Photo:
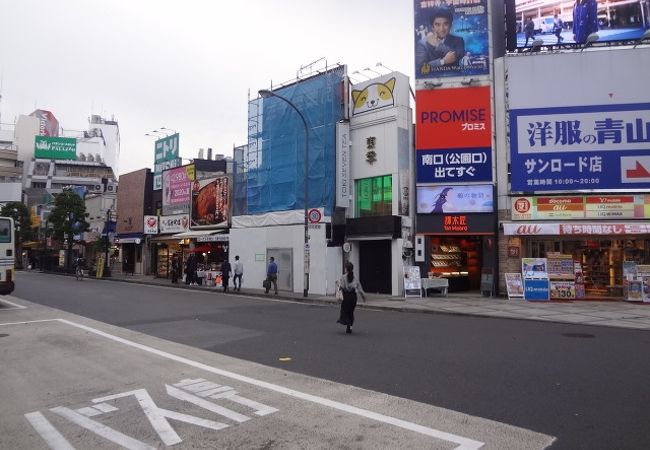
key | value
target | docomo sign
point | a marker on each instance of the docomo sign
(574, 229)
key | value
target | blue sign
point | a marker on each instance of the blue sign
(580, 148)
(536, 290)
(454, 166)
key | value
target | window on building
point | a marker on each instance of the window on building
(374, 196)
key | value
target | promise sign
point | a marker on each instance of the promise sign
(49, 147)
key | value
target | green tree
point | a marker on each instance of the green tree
(22, 220)
(68, 217)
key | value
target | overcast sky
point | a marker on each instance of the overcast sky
(187, 65)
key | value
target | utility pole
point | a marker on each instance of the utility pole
(106, 227)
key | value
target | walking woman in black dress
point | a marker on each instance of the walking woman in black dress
(349, 286)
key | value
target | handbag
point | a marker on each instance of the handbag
(266, 284)
(339, 295)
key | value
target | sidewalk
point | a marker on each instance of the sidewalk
(610, 314)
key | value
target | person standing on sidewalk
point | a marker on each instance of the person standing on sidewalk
(350, 287)
(239, 273)
(175, 267)
(226, 268)
(272, 276)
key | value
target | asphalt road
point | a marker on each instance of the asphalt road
(587, 386)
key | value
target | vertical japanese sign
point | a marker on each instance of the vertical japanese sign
(454, 135)
(165, 157)
(451, 38)
(580, 148)
(343, 165)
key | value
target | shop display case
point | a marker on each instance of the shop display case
(163, 263)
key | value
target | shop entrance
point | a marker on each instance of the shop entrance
(458, 259)
(600, 260)
(374, 266)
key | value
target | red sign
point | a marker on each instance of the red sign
(314, 215)
(513, 251)
(455, 223)
(453, 118)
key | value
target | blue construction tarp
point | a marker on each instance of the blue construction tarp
(273, 169)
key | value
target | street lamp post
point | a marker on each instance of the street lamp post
(264, 93)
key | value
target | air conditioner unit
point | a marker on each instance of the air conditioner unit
(110, 188)
(98, 188)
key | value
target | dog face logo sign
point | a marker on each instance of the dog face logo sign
(373, 97)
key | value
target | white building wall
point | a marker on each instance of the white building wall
(251, 245)
(26, 128)
(111, 152)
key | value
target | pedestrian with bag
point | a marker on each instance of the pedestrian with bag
(271, 276)
(175, 267)
(350, 287)
(239, 273)
(225, 274)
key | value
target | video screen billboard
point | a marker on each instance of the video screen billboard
(455, 199)
(562, 22)
(210, 203)
(451, 38)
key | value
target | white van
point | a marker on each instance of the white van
(544, 24)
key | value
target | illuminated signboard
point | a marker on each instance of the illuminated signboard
(455, 199)
(454, 135)
(582, 207)
(580, 148)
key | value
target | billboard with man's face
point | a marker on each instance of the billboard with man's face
(451, 38)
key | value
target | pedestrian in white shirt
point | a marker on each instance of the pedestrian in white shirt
(239, 273)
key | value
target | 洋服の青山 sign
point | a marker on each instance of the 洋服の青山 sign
(580, 148)
(48, 147)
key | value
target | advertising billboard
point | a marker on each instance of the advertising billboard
(177, 223)
(451, 38)
(580, 148)
(47, 147)
(627, 206)
(454, 135)
(48, 124)
(380, 93)
(455, 199)
(210, 203)
(555, 22)
(177, 186)
(165, 157)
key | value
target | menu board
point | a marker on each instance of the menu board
(514, 285)
(412, 282)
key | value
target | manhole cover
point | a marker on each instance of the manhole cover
(3, 335)
(578, 335)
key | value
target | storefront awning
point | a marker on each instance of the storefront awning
(164, 237)
(203, 235)
(575, 228)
